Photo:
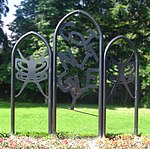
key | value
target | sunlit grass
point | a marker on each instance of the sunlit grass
(31, 119)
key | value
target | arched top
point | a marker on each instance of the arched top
(19, 41)
(127, 40)
(73, 13)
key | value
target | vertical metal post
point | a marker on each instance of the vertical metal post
(104, 94)
(136, 95)
(12, 93)
(50, 86)
(100, 94)
(50, 101)
(54, 83)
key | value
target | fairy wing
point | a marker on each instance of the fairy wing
(22, 70)
(41, 68)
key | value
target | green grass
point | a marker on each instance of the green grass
(31, 119)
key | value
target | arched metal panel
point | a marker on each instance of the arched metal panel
(121, 78)
(31, 73)
(73, 62)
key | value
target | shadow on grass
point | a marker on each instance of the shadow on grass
(4, 135)
(33, 134)
(86, 113)
(22, 105)
(64, 135)
(60, 135)
(112, 135)
(65, 105)
(88, 106)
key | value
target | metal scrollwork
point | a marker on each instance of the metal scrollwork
(31, 71)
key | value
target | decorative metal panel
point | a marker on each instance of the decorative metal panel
(122, 69)
(120, 72)
(77, 51)
(71, 82)
(77, 48)
(30, 69)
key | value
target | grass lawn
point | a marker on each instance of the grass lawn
(31, 119)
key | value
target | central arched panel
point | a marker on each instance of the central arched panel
(77, 59)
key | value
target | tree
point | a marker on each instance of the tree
(4, 48)
(3, 37)
(3, 11)
(38, 15)
(115, 17)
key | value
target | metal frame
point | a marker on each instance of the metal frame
(100, 127)
(52, 78)
(136, 96)
(14, 66)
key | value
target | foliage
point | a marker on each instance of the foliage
(4, 50)
(145, 79)
(128, 17)
(38, 15)
(3, 11)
